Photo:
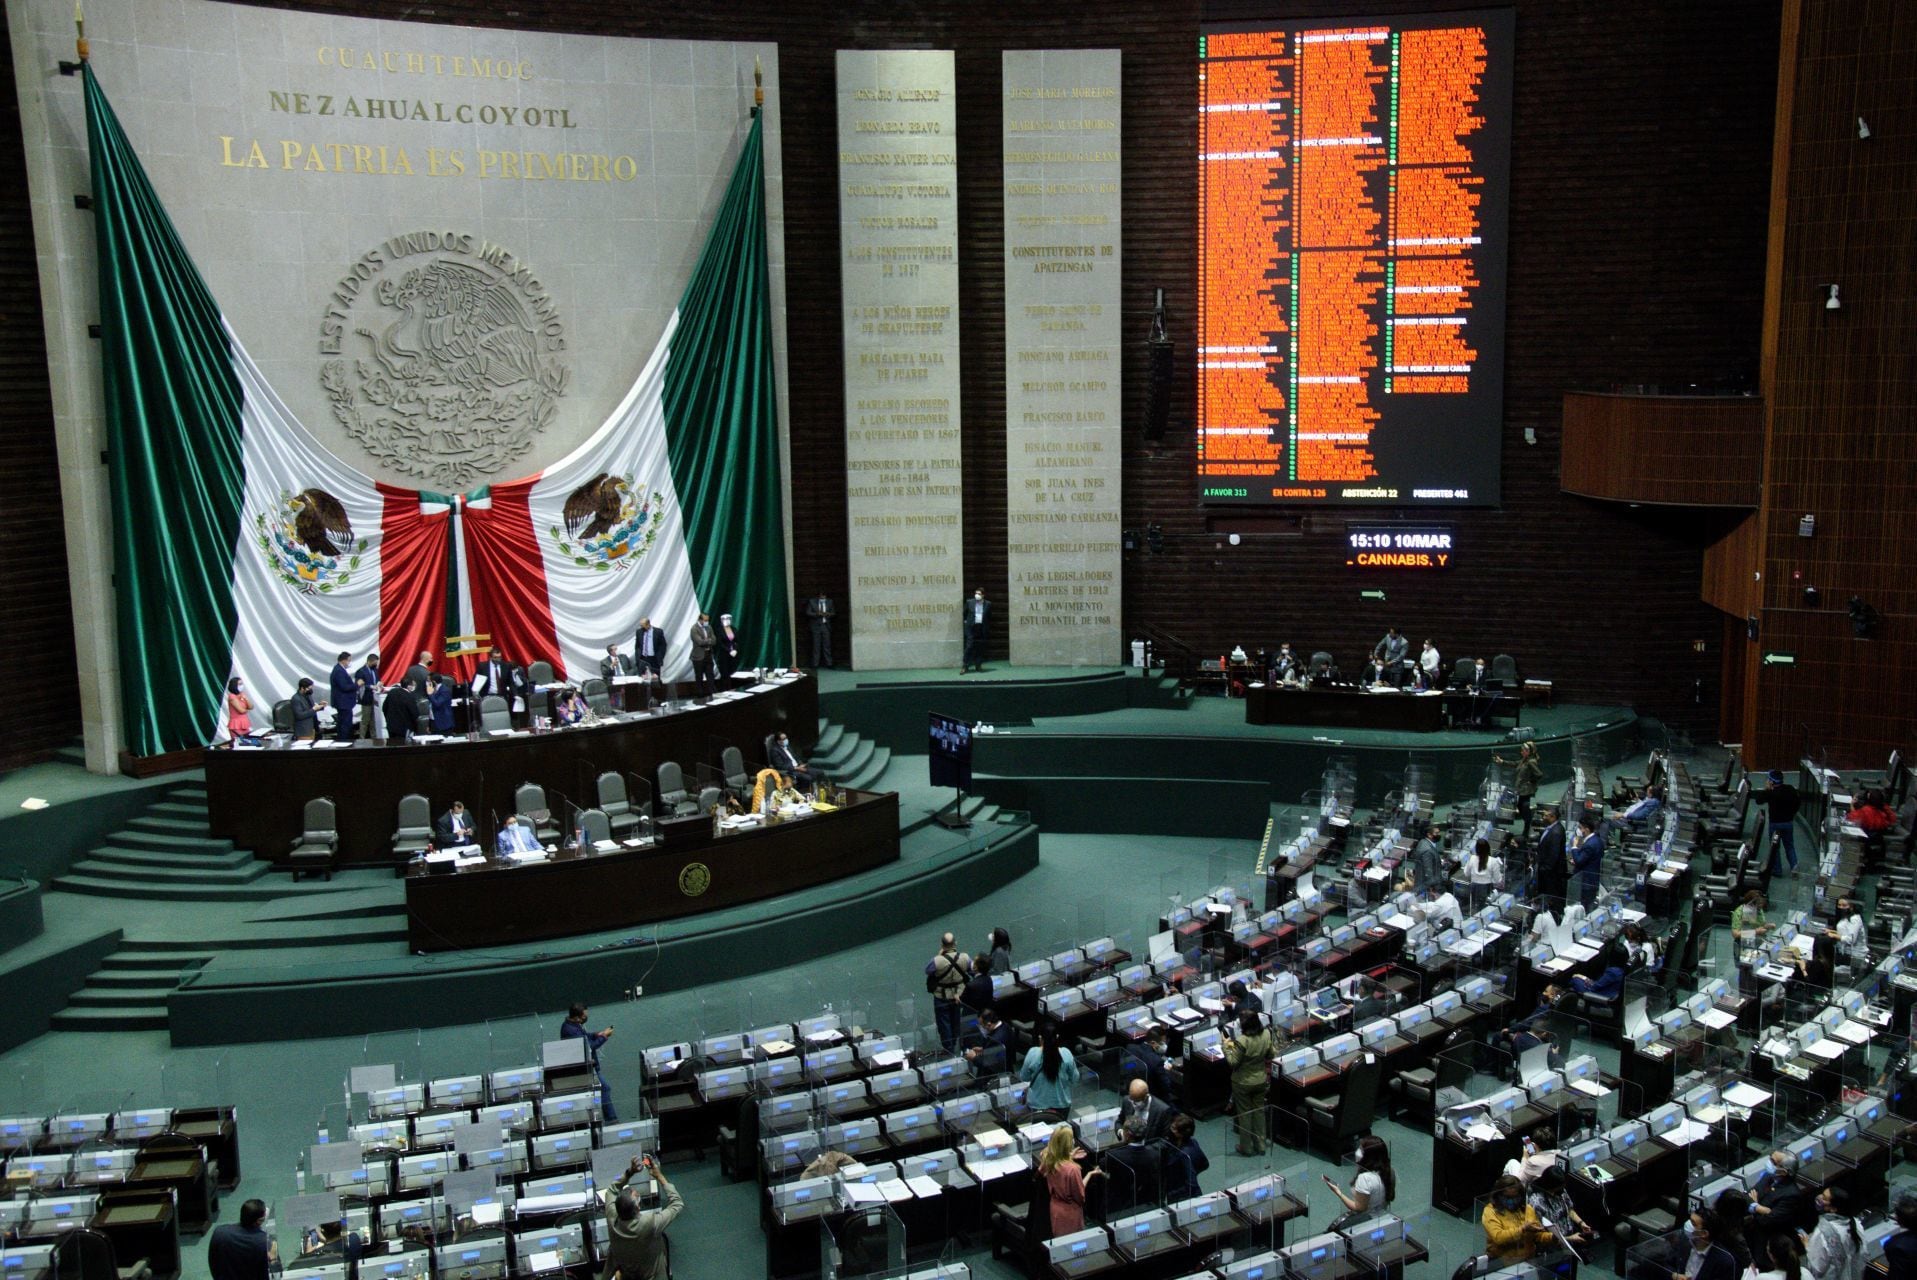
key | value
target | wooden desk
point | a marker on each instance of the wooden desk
(256, 798)
(1345, 709)
(571, 894)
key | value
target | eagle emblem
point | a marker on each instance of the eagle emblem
(459, 374)
(608, 523)
(308, 541)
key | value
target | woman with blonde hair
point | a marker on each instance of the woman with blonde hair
(1064, 1184)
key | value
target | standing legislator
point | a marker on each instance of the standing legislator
(1390, 653)
(345, 698)
(703, 640)
(974, 618)
(818, 612)
(649, 649)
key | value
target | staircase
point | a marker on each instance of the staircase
(166, 854)
(228, 901)
(847, 759)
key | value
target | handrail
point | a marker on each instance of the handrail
(1181, 659)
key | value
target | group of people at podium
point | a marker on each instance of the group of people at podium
(361, 702)
(1390, 663)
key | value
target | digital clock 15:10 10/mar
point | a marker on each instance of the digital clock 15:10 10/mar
(1398, 546)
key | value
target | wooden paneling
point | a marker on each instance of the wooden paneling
(1639, 171)
(1731, 568)
(1842, 436)
(36, 644)
(1687, 451)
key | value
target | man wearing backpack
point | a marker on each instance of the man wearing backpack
(945, 975)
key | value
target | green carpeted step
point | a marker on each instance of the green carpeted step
(167, 877)
(92, 997)
(136, 979)
(142, 1018)
(169, 826)
(102, 887)
(246, 937)
(229, 860)
(851, 755)
(830, 736)
(187, 791)
(180, 808)
(168, 842)
(138, 959)
(867, 775)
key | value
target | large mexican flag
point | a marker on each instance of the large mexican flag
(244, 548)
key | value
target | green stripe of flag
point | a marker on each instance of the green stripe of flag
(173, 448)
(722, 420)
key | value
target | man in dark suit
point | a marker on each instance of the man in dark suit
(819, 615)
(402, 712)
(455, 826)
(1782, 1203)
(703, 640)
(421, 671)
(345, 698)
(496, 678)
(1146, 1061)
(974, 617)
(1553, 876)
(367, 680)
(1155, 1112)
(306, 711)
(1708, 1259)
(990, 1047)
(1588, 861)
(1900, 1251)
(786, 761)
(1134, 1171)
(649, 649)
(614, 664)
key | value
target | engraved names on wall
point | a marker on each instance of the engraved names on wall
(1062, 402)
(898, 215)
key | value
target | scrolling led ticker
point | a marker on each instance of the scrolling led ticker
(1416, 547)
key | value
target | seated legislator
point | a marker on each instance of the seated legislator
(455, 826)
(1376, 672)
(784, 760)
(573, 709)
(1286, 667)
(614, 664)
(771, 789)
(516, 837)
(402, 711)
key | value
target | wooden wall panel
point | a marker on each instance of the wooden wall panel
(1688, 451)
(1842, 439)
(1639, 172)
(36, 643)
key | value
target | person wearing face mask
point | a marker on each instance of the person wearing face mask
(1778, 1257)
(1707, 1259)
(1835, 1250)
(239, 712)
(727, 652)
(974, 617)
(1848, 933)
(1782, 1204)
(1513, 1231)
(1285, 667)
(789, 764)
(1430, 666)
(1373, 1190)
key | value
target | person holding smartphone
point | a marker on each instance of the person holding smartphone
(635, 1237)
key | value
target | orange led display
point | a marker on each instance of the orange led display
(1351, 197)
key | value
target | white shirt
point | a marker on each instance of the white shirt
(1443, 907)
(1850, 936)
(1491, 873)
(1429, 660)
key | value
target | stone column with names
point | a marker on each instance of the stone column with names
(898, 240)
(1062, 387)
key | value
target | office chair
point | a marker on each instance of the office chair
(616, 803)
(598, 697)
(530, 798)
(672, 791)
(495, 713)
(319, 840)
(540, 673)
(732, 764)
(415, 829)
(1504, 669)
(86, 1254)
(283, 716)
(1336, 1120)
(594, 826)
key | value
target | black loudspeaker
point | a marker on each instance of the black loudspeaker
(1158, 389)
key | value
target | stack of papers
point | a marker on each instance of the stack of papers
(773, 1048)
(1591, 1088)
(529, 855)
(1828, 1050)
(889, 1058)
(1746, 1095)
(606, 846)
(1853, 1031)
(1716, 1019)
(924, 1188)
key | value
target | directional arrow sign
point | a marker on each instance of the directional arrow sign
(1778, 658)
